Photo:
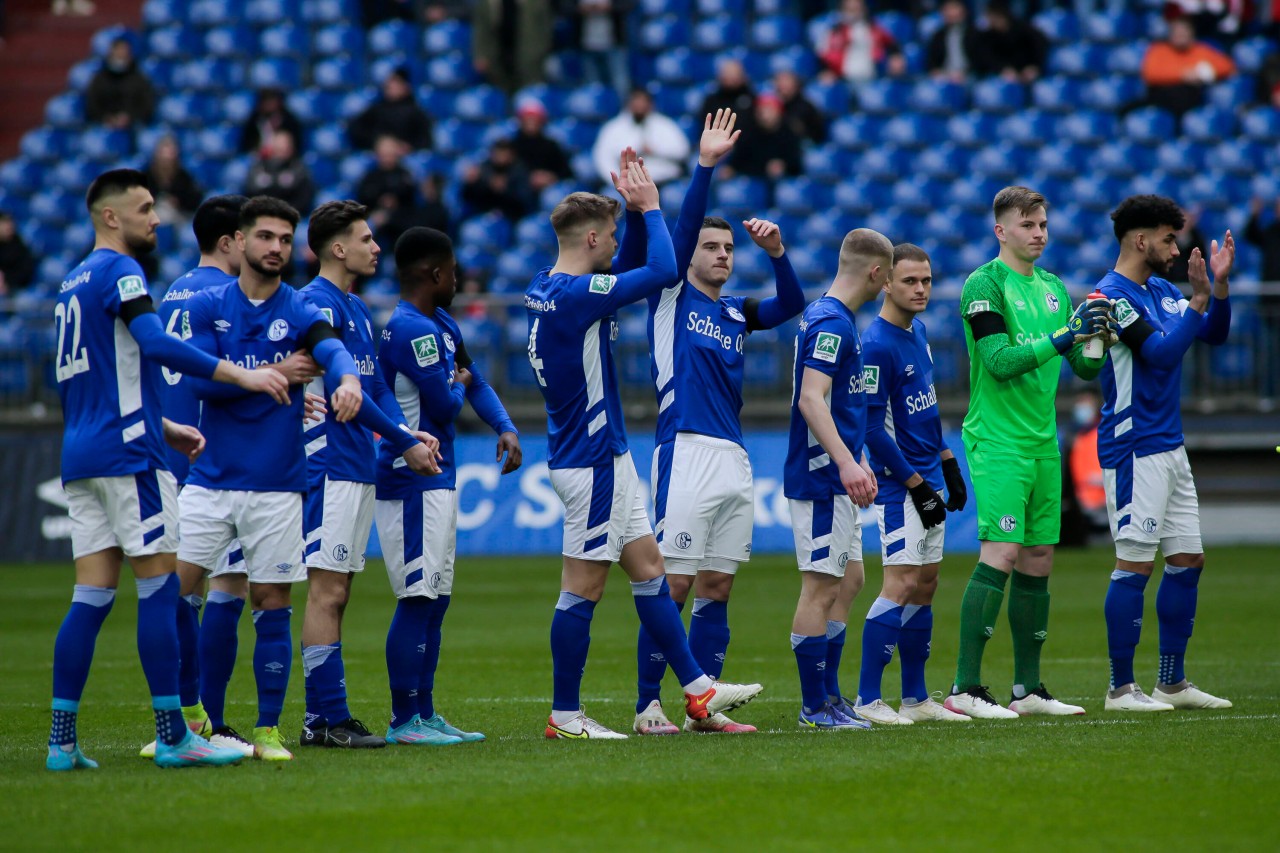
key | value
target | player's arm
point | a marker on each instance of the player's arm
(631, 246)
(982, 301)
(789, 301)
(341, 376)
(226, 381)
(814, 387)
(183, 438)
(881, 385)
(717, 140)
(957, 491)
(484, 400)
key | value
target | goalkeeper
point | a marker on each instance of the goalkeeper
(1018, 320)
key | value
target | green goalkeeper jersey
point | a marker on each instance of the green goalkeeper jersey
(1016, 414)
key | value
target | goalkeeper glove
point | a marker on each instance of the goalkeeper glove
(1089, 318)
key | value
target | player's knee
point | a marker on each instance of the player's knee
(714, 585)
(270, 596)
(680, 586)
(1185, 561)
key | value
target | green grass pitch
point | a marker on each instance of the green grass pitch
(1186, 781)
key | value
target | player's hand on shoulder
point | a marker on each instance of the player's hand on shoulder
(183, 438)
(462, 376)
(858, 483)
(509, 443)
(718, 137)
(765, 234)
(346, 400)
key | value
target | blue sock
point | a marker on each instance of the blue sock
(324, 676)
(661, 618)
(570, 640)
(406, 642)
(272, 658)
(651, 665)
(72, 655)
(158, 633)
(709, 634)
(879, 638)
(170, 727)
(219, 641)
(811, 660)
(1123, 611)
(913, 650)
(836, 634)
(1176, 610)
(188, 649)
(431, 657)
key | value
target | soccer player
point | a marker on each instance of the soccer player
(250, 481)
(1151, 495)
(701, 475)
(572, 323)
(911, 463)
(1018, 321)
(120, 495)
(425, 360)
(341, 466)
(826, 473)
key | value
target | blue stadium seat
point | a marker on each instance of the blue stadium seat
(1056, 94)
(218, 142)
(51, 208)
(994, 95)
(1127, 60)
(173, 42)
(1233, 92)
(592, 102)
(943, 222)
(72, 175)
(828, 163)
(1069, 223)
(709, 8)
(810, 262)
(973, 192)
(1249, 53)
(277, 72)
(230, 42)
(747, 195)
(481, 103)
(1061, 26)
(664, 33)
(573, 134)
(336, 73)
(81, 74)
(1086, 126)
(235, 172)
(437, 102)
(917, 194)
(651, 8)
(1111, 28)
(285, 40)
(549, 96)
(973, 129)
(324, 170)
(445, 37)
(535, 231)
(882, 97)
(323, 11)
(476, 261)
(338, 40)
(159, 13)
(181, 109)
(828, 227)
(214, 13)
(1212, 190)
(683, 66)
(456, 137)
(208, 75)
(450, 71)
(1209, 124)
(394, 36)
(520, 263)
(104, 145)
(1155, 182)
(1149, 126)
(855, 132)
(945, 161)
(1078, 60)
(801, 196)
(832, 98)
(797, 58)
(21, 175)
(1098, 192)
(1063, 159)
(775, 32)
(1266, 186)
(1004, 160)
(101, 41)
(939, 97)
(900, 26)
(892, 223)
(267, 12)
(1238, 157)
(1261, 125)
(911, 130)
(236, 106)
(719, 33)
(884, 161)
(65, 111)
(1029, 127)
(353, 167)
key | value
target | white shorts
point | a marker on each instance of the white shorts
(268, 525)
(703, 486)
(603, 509)
(137, 513)
(419, 542)
(337, 516)
(828, 534)
(1151, 500)
(903, 539)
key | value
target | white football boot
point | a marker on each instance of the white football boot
(1129, 697)
(1187, 697)
(977, 703)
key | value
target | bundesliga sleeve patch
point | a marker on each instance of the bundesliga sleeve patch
(826, 347)
(602, 284)
(186, 325)
(978, 306)
(871, 379)
(1124, 313)
(131, 287)
(328, 315)
(426, 351)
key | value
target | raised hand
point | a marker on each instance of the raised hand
(1222, 260)
(766, 235)
(621, 177)
(718, 137)
(644, 192)
(1198, 276)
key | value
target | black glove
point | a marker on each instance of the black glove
(957, 491)
(928, 504)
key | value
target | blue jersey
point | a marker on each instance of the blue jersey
(572, 326)
(346, 451)
(827, 341)
(897, 375)
(179, 403)
(254, 443)
(110, 393)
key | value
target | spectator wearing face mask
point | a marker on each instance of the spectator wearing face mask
(120, 95)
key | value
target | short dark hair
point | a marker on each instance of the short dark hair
(332, 219)
(1146, 211)
(420, 244)
(265, 205)
(114, 182)
(217, 217)
(580, 209)
(1021, 199)
(910, 252)
(716, 222)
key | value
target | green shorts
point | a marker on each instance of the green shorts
(1019, 498)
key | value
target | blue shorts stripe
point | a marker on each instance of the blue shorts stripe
(1123, 522)
(820, 554)
(824, 512)
(666, 452)
(1124, 483)
(152, 535)
(601, 495)
(413, 577)
(412, 520)
(150, 503)
(313, 548)
(597, 542)
(235, 556)
(894, 547)
(313, 507)
(895, 517)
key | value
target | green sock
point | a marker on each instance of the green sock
(978, 612)
(1028, 625)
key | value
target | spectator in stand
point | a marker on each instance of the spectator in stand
(395, 113)
(269, 115)
(435, 11)
(1265, 237)
(75, 8)
(120, 95)
(176, 193)
(279, 172)
(600, 32)
(17, 264)
(433, 213)
(775, 150)
(852, 46)
(657, 139)
(510, 41)
(733, 91)
(1178, 70)
(1188, 238)
(805, 120)
(1218, 19)
(501, 183)
(955, 50)
(1268, 85)
(1085, 472)
(1012, 47)
(389, 191)
(376, 11)
(540, 154)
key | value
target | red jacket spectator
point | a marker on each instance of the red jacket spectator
(852, 46)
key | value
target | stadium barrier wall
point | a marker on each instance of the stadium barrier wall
(516, 514)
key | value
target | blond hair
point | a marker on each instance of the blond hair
(580, 210)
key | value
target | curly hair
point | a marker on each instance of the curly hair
(1146, 211)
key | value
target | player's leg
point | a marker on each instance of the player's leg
(901, 534)
(1135, 560)
(917, 635)
(651, 663)
(191, 589)
(1176, 599)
